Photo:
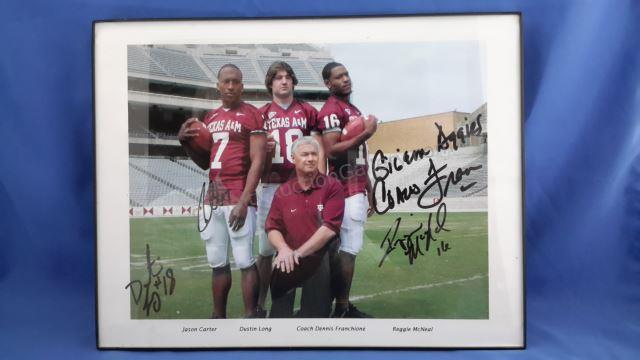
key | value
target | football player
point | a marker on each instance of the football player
(348, 163)
(235, 164)
(286, 119)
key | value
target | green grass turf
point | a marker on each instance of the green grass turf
(453, 285)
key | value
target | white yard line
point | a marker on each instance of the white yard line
(186, 268)
(164, 261)
(418, 287)
(209, 270)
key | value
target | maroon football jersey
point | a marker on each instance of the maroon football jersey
(286, 126)
(351, 166)
(230, 162)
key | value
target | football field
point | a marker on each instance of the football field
(452, 285)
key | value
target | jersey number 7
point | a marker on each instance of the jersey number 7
(223, 137)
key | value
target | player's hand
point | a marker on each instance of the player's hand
(370, 125)
(187, 133)
(286, 260)
(237, 217)
(271, 144)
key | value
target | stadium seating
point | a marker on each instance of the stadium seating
(140, 131)
(317, 66)
(163, 182)
(179, 64)
(304, 75)
(183, 64)
(249, 73)
(139, 61)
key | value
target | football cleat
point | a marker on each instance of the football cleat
(350, 312)
(260, 313)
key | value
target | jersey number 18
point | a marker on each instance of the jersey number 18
(290, 136)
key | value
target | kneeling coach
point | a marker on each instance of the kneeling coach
(303, 226)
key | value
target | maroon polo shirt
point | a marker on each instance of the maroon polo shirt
(298, 213)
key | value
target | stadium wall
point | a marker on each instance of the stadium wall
(163, 211)
(421, 132)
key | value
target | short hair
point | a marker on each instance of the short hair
(326, 70)
(273, 71)
(305, 140)
(229, 65)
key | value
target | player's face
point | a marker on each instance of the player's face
(230, 85)
(282, 84)
(339, 82)
(305, 159)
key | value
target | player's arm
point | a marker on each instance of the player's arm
(312, 115)
(185, 135)
(333, 146)
(270, 151)
(257, 142)
(322, 158)
(286, 258)
(369, 189)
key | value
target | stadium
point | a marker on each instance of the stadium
(169, 83)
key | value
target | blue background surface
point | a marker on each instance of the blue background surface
(582, 133)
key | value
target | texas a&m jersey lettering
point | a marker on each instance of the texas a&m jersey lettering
(230, 160)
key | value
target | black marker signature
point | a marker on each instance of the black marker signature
(158, 283)
(411, 242)
(383, 168)
(215, 196)
(475, 128)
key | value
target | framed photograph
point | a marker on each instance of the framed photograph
(310, 182)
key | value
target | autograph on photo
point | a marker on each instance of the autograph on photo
(410, 242)
(159, 282)
(420, 240)
(211, 196)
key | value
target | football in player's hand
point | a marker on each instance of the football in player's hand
(354, 127)
(202, 142)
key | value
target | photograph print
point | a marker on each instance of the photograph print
(412, 239)
(304, 186)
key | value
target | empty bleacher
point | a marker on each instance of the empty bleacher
(139, 131)
(179, 64)
(249, 73)
(304, 75)
(164, 182)
(139, 61)
(190, 64)
(318, 65)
